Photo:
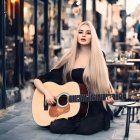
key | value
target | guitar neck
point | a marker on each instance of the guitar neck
(95, 97)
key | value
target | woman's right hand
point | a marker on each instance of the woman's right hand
(50, 99)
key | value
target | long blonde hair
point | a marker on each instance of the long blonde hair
(95, 74)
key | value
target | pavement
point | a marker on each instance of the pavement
(18, 124)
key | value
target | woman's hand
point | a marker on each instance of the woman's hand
(109, 100)
(50, 99)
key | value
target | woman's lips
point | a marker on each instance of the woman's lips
(83, 40)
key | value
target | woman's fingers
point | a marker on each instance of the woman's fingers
(111, 91)
(51, 100)
(109, 100)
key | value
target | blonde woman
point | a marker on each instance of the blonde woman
(85, 64)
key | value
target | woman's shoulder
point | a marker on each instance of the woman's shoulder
(57, 69)
(52, 75)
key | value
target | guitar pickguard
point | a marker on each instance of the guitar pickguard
(56, 111)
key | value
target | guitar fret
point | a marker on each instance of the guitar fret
(101, 97)
(82, 99)
(114, 96)
(92, 97)
(104, 96)
(78, 98)
(75, 98)
(71, 98)
(96, 97)
(87, 97)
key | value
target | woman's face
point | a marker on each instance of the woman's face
(84, 35)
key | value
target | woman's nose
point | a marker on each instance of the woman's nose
(84, 34)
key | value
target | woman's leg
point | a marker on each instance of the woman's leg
(62, 126)
(90, 125)
(86, 126)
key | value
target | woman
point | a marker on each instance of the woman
(85, 64)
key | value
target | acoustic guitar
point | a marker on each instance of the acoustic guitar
(72, 99)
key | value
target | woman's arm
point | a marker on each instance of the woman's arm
(112, 91)
(40, 86)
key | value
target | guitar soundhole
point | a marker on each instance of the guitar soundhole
(63, 100)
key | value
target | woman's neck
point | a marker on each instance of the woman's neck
(85, 49)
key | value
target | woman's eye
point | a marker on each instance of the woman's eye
(80, 32)
(88, 33)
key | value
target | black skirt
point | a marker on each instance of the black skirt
(97, 119)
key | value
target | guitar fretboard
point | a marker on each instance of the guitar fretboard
(95, 97)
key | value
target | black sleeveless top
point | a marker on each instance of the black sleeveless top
(56, 75)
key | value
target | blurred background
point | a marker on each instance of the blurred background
(34, 34)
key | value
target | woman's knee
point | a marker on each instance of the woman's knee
(55, 126)
(61, 126)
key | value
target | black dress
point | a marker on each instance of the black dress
(97, 119)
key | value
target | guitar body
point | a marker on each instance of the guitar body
(44, 116)
(72, 99)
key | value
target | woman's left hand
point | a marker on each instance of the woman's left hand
(109, 100)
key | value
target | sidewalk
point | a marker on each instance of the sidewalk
(19, 125)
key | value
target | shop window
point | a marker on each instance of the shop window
(10, 50)
(40, 37)
(29, 31)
